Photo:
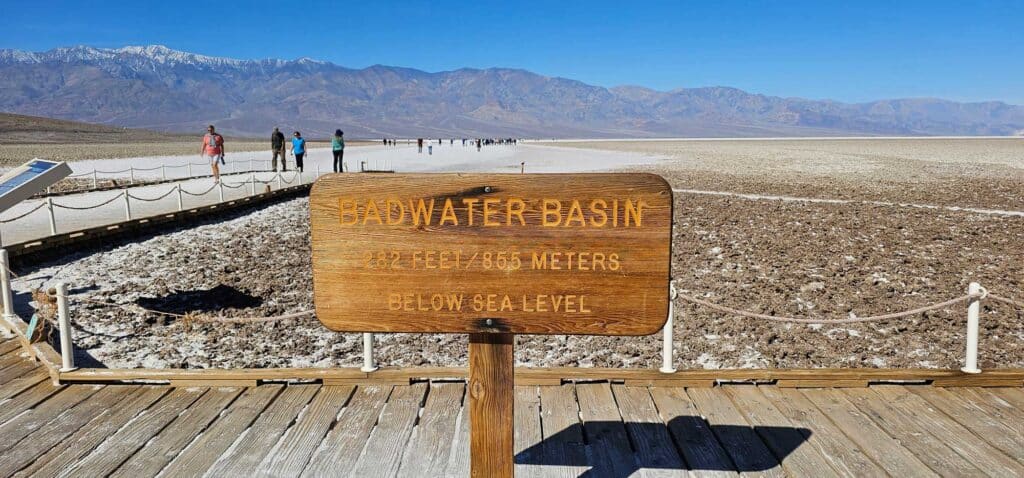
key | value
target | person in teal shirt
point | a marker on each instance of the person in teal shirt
(298, 149)
(338, 148)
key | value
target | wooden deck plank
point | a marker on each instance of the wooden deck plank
(19, 427)
(564, 452)
(700, 448)
(168, 443)
(120, 446)
(788, 443)
(930, 449)
(27, 399)
(994, 428)
(740, 441)
(528, 433)
(458, 461)
(22, 367)
(952, 433)
(292, 453)
(9, 345)
(430, 445)
(655, 452)
(607, 441)
(869, 437)
(1009, 399)
(215, 440)
(382, 454)
(244, 456)
(341, 447)
(54, 461)
(67, 423)
(842, 453)
(12, 357)
(22, 383)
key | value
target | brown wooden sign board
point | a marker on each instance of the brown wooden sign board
(496, 253)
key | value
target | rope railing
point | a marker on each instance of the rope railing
(168, 193)
(30, 211)
(212, 187)
(84, 208)
(850, 320)
(200, 318)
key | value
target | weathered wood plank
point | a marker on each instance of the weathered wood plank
(869, 437)
(67, 423)
(564, 450)
(22, 367)
(700, 448)
(120, 446)
(458, 461)
(292, 453)
(19, 384)
(995, 428)
(952, 433)
(205, 450)
(92, 434)
(607, 441)
(382, 454)
(528, 431)
(788, 443)
(929, 449)
(9, 345)
(652, 444)
(244, 457)
(741, 442)
(21, 426)
(28, 398)
(490, 399)
(168, 443)
(842, 453)
(430, 445)
(1012, 396)
(341, 448)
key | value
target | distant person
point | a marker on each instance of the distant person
(451, 141)
(419, 145)
(478, 144)
(338, 148)
(277, 146)
(385, 145)
(430, 149)
(212, 151)
(298, 149)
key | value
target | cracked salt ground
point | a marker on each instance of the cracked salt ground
(766, 261)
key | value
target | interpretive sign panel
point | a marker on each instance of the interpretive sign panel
(580, 254)
(22, 182)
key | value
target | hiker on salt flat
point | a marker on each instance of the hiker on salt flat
(277, 146)
(298, 149)
(213, 151)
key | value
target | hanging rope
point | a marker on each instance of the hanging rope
(15, 218)
(104, 203)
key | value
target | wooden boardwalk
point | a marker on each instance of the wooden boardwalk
(595, 429)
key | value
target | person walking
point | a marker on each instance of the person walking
(277, 146)
(212, 151)
(419, 145)
(338, 148)
(298, 149)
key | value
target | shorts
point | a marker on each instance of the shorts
(212, 159)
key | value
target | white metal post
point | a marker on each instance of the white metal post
(131, 175)
(95, 179)
(67, 355)
(973, 311)
(220, 191)
(5, 284)
(251, 167)
(317, 170)
(188, 169)
(127, 206)
(53, 218)
(667, 364)
(252, 184)
(280, 184)
(368, 363)
(181, 206)
(163, 171)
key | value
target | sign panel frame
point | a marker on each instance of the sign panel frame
(581, 254)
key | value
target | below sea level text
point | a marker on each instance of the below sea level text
(561, 303)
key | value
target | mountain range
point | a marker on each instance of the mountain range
(158, 88)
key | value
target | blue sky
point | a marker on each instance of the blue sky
(849, 51)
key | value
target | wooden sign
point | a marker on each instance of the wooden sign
(470, 253)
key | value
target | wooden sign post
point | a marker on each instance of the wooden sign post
(492, 255)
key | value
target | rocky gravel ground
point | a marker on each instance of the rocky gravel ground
(781, 258)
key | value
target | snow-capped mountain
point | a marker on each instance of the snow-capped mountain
(160, 88)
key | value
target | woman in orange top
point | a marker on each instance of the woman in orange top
(213, 151)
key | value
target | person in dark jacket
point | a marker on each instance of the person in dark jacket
(338, 148)
(277, 148)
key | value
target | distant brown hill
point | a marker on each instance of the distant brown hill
(22, 129)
